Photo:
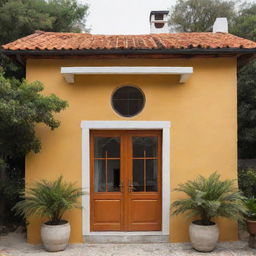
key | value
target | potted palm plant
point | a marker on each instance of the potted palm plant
(208, 198)
(251, 220)
(51, 199)
(251, 215)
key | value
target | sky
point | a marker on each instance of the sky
(124, 16)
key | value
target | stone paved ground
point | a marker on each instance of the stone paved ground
(15, 245)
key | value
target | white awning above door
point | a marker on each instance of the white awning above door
(70, 72)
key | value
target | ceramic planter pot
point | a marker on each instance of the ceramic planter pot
(251, 226)
(55, 237)
(203, 238)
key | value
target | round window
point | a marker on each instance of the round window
(128, 101)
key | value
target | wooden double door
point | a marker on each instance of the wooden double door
(125, 192)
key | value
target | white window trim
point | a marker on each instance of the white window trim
(126, 125)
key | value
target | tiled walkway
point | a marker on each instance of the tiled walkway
(15, 245)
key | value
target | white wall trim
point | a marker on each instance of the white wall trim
(69, 72)
(126, 125)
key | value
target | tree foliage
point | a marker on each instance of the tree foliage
(19, 18)
(199, 15)
(208, 198)
(244, 22)
(22, 106)
(50, 199)
(244, 26)
(247, 111)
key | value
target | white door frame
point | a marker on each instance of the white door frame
(126, 125)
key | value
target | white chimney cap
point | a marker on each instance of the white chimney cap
(220, 25)
(159, 22)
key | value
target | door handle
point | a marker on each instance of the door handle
(121, 186)
(130, 187)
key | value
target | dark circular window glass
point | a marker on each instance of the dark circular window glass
(128, 101)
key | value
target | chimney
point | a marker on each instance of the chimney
(159, 22)
(220, 25)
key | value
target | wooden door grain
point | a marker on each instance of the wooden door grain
(125, 180)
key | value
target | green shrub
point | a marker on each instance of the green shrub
(247, 182)
(208, 198)
(11, 185)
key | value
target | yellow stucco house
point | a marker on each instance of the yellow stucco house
(146, 112)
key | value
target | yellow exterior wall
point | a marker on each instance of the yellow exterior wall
(202, 112)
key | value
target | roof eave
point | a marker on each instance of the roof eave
(131, 51)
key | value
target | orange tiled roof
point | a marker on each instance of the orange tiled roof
(41, 40)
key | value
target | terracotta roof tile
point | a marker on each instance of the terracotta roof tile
(41, 40)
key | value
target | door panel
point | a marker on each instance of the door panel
(106, 195)
(107, 214)
(125, 180)
(144, 161)
(144, 211)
